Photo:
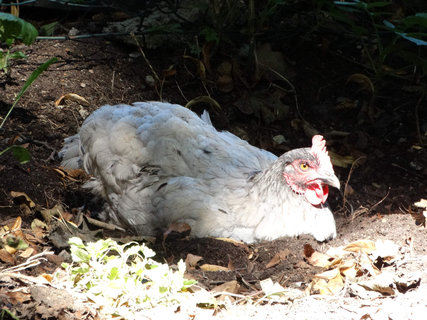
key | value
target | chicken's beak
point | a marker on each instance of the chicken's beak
(330, 179)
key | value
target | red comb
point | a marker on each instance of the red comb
(319, 150)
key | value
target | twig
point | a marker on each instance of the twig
(112, 81)
(30, 262)
(294, 91)
(156, 76)
(348, 180)
(417, 120)
(180, 91)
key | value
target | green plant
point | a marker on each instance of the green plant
(6, 56)
(391, 33)
(11, 29)
(124, 279)
(20, 153)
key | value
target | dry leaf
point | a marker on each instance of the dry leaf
(6, 257)
(56, 211)
(339, 160)
(179, 227)
(16, 297)
(24, 201)
(366, 246)
(213, 267)
(328, 275)
(382, 283)
(278, 257)
(319, 259)
(271, 288)
(308, 250)
(27, 253)
(386, 249)
(48, 277)
(348, 269)
(72, 174)
(17, 224)
(191, 261)
(328, 282)
(72, 97)
(229, 286)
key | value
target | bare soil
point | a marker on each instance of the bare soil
(389, 178)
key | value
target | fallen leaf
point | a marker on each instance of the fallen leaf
(339, 160)
(16, 297)
(6, 257)
(191, 261)
(328, 275)
(48, 277)
(278, 257)
(271, 288)
(382, 283)
(229, 286)
(72, 174)
(72, 97)
(27, 253)
(364, 82)
(386, 249)
(308, 250)
(17, 224)
(213, 267)
(349, 269)
(56, 211)
(319, 259)
(366, 246)
(24, 201)
(328, 283)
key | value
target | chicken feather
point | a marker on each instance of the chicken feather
(157, 163)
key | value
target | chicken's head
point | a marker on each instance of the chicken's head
(309, 171)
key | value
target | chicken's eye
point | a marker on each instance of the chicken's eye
(304, 166)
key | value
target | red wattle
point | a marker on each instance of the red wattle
(316, 193)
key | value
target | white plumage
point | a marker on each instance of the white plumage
(157, 163)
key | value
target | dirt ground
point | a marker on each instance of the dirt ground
(384, 185)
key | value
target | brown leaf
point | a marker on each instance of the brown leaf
(72, 174)
(230, 286)
(24, 201)
(308, 250)
(213, 267)
(179, 227)
(27, 253)
(366, 246)
(6, 257)
(191, 261)
(17, 224)
(364, 82)
(16, 297)
(278, 257)
(328, 282)
(319, 259)
(72, 97)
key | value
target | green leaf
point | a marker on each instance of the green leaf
(12, 27)
(18, 55)
(6, 314)
(20, 153)
(29, 81)
(79, 255)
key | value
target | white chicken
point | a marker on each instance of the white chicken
(158, 163)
